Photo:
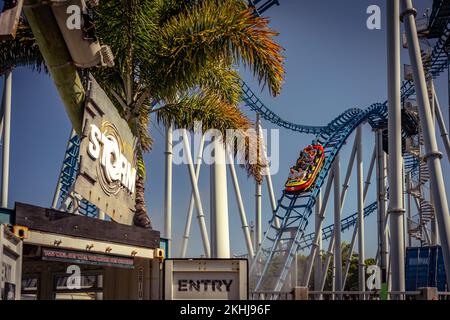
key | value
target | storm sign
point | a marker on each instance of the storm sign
(107, 173)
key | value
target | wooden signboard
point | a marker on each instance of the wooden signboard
(9, 21)
(107, 173)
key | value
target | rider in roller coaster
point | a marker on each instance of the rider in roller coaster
(304, 161)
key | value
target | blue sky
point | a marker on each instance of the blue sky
(333, 62)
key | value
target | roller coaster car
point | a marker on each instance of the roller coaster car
(306, 181)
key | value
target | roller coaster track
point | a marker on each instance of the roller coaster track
(346, 223)
(281, 242)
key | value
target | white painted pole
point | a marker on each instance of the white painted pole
(268, 175)
(219, 211)
(318, 235)
(432, 156)
(337, 228)
(243, 216)
(187, 228)
(168, 191)
(7, 92)
(258, 191)
(318, 260)
(396, 209)
(409, 207)
(442, 128)
(355, 230)
(381, 204)
(360, 196)
(198, 203)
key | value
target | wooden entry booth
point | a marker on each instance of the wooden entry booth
(67, 256)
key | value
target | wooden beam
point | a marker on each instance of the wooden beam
(62, 223)
(9, 21)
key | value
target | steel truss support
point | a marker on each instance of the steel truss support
(355, 230)
(187, 228)
(197, 199)
(315, 251)
(329, 252)
(381, 204)
(57, 192)
(337, 228)
(432, 156)
(243, 216)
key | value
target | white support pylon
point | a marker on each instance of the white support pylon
(220, 236)
(432, 156)
(441, 124)
(168, 191)
(187, 227)
(243, 216)
(360, 177)
(318, 259)
(258, 190)
(7, 94)
(337, 228)
(396, 210)
(198, 202)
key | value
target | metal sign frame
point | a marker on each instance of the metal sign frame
(237, 269)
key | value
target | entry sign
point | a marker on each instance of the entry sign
(107, 173)
(205, 279)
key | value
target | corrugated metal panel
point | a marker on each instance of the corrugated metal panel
(425, 268)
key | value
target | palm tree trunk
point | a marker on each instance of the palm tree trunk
(141, 218)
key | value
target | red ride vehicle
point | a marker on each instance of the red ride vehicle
(303, 175)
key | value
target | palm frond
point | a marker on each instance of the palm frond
(214, 30)
(23, 51)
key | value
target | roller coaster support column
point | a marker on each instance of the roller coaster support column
(441, 124)
(355, 231)
(381, 204)
(220, 236)
(318, 232)
(7, 91)
(258, 187)
(243, 216)
(59, 184)
(360, 177)
(433, 156)
(408, 207)
(315, 246)
(187, 228)
(337, 229)
(396, 209)
(198, 202)
(330, 250)
(273, 202)
(168, 191)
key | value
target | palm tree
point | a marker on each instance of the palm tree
(178, 59)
